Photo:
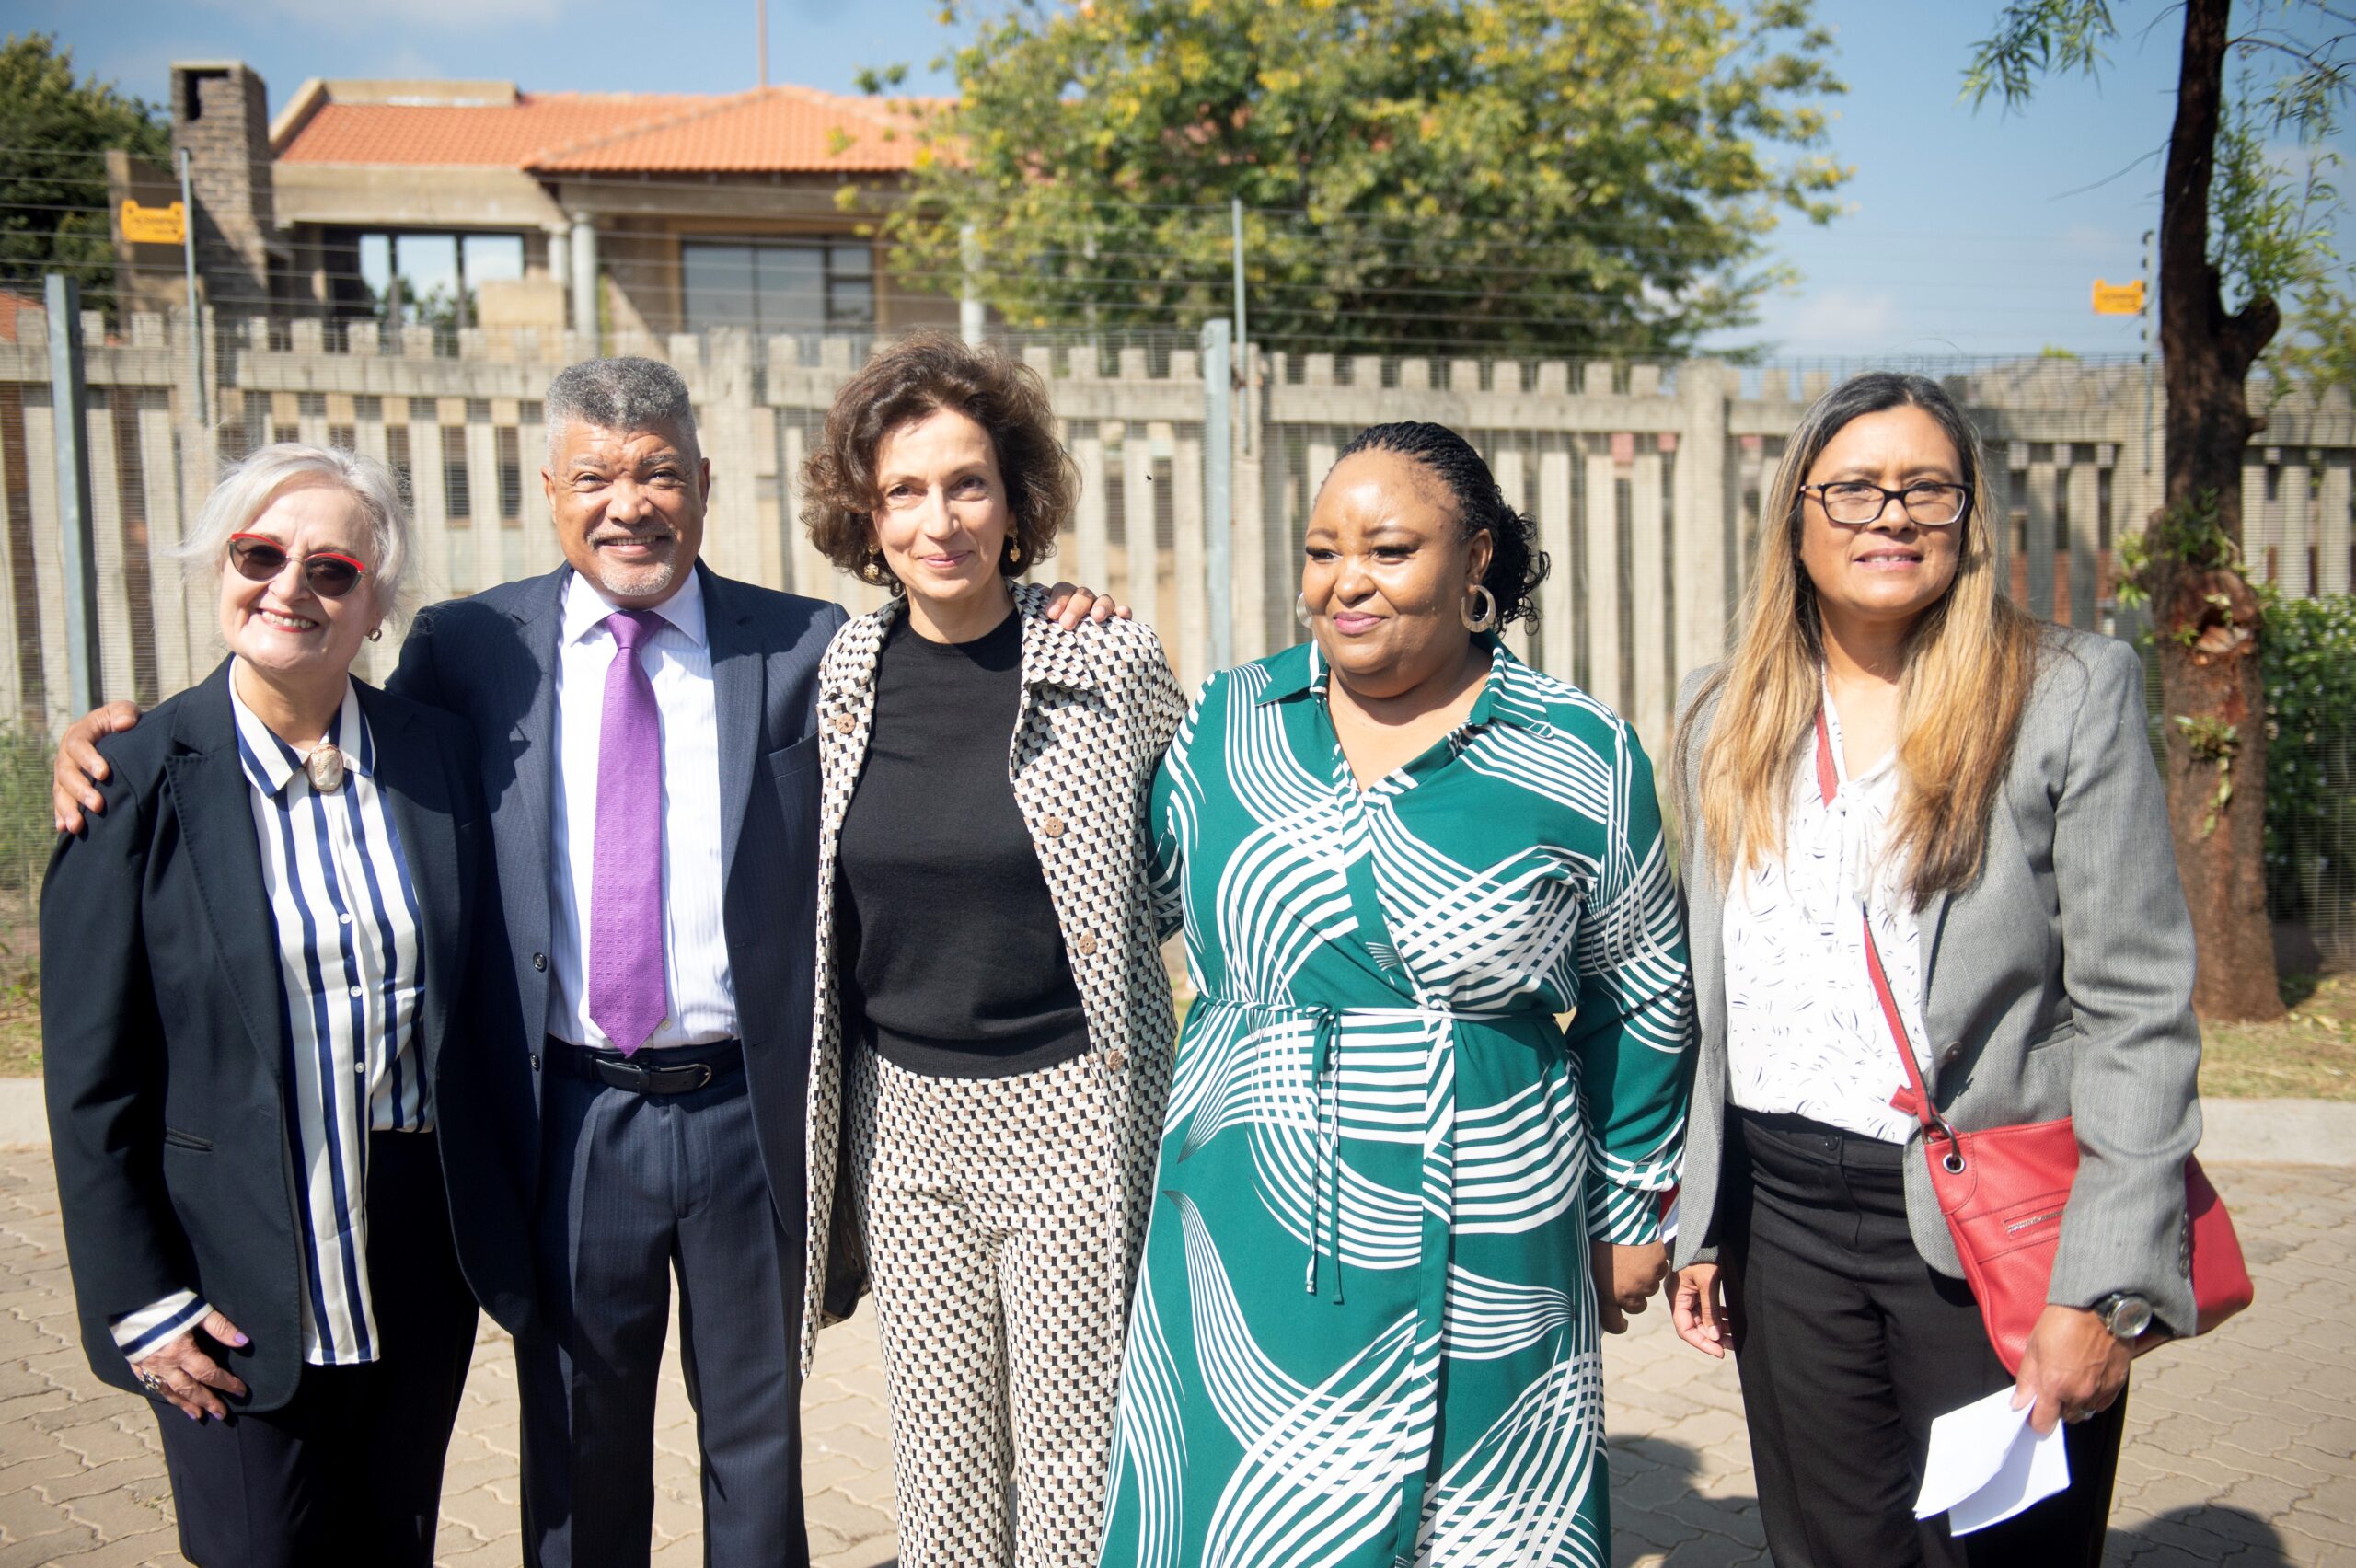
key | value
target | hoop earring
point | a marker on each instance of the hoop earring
(376, 634)
(1301, 610)
(1488, 616)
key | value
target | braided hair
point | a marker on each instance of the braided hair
(1515, 566)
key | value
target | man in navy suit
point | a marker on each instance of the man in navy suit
(649, 756)
(659, 886)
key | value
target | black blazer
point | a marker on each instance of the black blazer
(163, 1035)
(492, 660)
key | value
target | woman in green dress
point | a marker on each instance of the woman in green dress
(1397, 1201)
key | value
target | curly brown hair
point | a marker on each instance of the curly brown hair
(910, 381)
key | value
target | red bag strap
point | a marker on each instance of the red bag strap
(1915, 1098)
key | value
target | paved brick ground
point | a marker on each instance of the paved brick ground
(2241, 1450)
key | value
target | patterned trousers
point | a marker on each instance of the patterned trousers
(991, 1225)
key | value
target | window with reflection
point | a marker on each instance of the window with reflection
(767, 286)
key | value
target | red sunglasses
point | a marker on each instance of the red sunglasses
(329, 574)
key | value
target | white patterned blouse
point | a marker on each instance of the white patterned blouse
(1805, 1032)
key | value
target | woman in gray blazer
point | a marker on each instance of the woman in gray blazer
(1996, 812)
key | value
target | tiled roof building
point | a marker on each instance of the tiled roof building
(628, 212)
(778, 130)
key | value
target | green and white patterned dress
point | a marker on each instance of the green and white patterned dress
(1365, 1334)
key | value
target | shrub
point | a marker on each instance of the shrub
(2310, 671)
(26, 830)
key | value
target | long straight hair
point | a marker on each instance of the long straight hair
(1970, 660)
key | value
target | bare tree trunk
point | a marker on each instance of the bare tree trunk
(2208, 619)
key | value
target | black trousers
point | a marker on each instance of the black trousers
(348, 1472)
(634, 1187)
(1849, 1345)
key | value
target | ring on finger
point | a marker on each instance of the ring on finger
(153, 1384)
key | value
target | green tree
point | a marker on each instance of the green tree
(55, 132)
(2236, 230)
(1586, 177)
(2318, 345)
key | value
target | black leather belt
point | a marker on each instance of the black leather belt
(679, 1069)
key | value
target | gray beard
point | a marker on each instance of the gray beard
(642, 581)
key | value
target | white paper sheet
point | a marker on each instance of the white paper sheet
(1985, 1465)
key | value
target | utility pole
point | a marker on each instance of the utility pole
(1242, 338)
(1218, 490)
(584, 281)
(2150, 307)
(969, 302)
(69, 398)
(195, 315)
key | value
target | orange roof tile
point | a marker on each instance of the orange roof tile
(14, 308)
(473, 133)
(769, 129)
(772, 130)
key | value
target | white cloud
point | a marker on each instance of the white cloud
(411, 13)
(409, 63)
(2098, 244)
(1831, 321)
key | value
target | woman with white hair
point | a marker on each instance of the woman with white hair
(263, 1085)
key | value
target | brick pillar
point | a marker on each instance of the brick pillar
(221, 114)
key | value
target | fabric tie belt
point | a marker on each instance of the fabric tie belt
(1326, 1086)
(676, 1069)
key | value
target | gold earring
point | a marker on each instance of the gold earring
(1488, 616)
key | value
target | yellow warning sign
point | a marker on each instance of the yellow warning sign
(154, 226)
(2118, 299)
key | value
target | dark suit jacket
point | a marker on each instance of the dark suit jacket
(165, 1041)
(491, 661)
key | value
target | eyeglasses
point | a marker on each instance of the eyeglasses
(329, 574)
(1928, 505)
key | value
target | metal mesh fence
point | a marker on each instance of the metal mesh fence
(1645, 481)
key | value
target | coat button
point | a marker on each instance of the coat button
(1086, 945)
(540, 962)
(1952, 1054)
(1052, 826)
(1116, 1059)
(845, 723)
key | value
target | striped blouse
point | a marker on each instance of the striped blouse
(346, 915)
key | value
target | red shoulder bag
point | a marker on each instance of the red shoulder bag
(2004, 1189)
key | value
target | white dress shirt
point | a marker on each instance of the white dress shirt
(695, 946)
(1805, 1031)
(344, 921)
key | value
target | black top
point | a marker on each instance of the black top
(952, 961)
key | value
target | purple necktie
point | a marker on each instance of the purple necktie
(627, 996)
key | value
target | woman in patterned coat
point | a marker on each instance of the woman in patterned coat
(993, 1030)
(1396, 1201)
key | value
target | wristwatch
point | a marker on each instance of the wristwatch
(2127, 1316)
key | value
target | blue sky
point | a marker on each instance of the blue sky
(1972, 233)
